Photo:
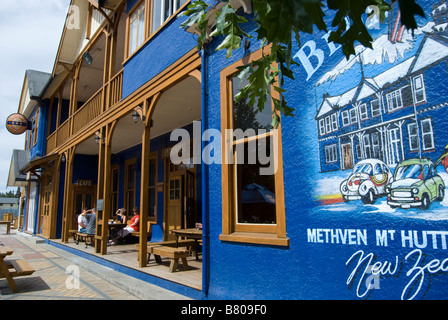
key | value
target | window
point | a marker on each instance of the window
(162, 10)
(322, 127)
(375, 108)
(328, 124)
(419, 89)
(427, 135)
(363, 114)
(413, 136)
(137, 28)
(152, 187)
(252, 170)
(130, 181)
(367, 147)
(115, 182)
(35, 127)
(353, 115)
(375, 145)
(345, 118)
(334, 121)
(331, 154)
(394, 100)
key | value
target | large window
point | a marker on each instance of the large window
(394, 100)
(427, 135)
(252, 170)
(152, 187)
(162, 10)
(137, 28)
(130, 185)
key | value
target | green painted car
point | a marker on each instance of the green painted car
(415, 184)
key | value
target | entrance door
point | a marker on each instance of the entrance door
(45, 212)
(175, 204)
(83, 199)
(347, 156)
(395, 146)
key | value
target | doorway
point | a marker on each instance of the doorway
(45, 212)
(84, 198)
(347, 156)
(181, 201)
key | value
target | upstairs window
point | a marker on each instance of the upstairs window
(137, 28)
(162, 10)
(394, 100)
(419, 89)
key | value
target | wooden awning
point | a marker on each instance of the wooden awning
(39, 162)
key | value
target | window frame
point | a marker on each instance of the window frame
(259, 234)
(153, 156)
(129, 24)
(149, 32)
(427, 133)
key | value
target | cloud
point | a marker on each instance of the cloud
(30, 31)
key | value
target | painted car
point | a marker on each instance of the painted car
(416, 184)
(367, 181)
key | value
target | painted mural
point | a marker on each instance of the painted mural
(381, 166)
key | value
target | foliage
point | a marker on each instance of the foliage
(278, 23)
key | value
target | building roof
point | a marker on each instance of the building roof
(8, 201)
(37, 81)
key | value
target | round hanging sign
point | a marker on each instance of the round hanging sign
(16, 123)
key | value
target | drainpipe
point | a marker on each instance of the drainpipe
(204, 177)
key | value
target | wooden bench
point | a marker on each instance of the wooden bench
(84, 236)
(73, 234)
(189, 243)
(172, 253)
(13, 269)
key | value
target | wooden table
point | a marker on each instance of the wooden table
(8, 226)
(191, 233)
(120, 226)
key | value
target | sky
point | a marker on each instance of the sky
(30, 32)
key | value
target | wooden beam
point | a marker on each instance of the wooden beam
(144, 198)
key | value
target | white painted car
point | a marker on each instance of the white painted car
(367, 182)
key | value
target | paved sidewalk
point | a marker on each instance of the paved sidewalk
(56, 278)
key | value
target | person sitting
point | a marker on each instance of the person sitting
(121, 215)
(134, 226)
(82, 222)
(90, 216)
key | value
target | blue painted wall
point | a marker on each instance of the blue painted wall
(317, 265)
(167, 46)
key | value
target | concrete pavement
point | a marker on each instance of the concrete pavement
(61, 275)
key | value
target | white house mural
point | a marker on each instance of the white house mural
(388, 130)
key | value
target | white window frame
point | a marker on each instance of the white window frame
(345, 118)
(394, 100)
(419, 87)
(363, 113)
(353, 116)
(331, 153)
(412, 136)
(430, 133)
(376, 110)
(334, 122)
(322, 127)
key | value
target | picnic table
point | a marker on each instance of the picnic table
(190, 233)
(8, 226)
(14, 268)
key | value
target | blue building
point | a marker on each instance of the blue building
(134, 115)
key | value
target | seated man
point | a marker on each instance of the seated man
(90, 216)
(82, 222)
